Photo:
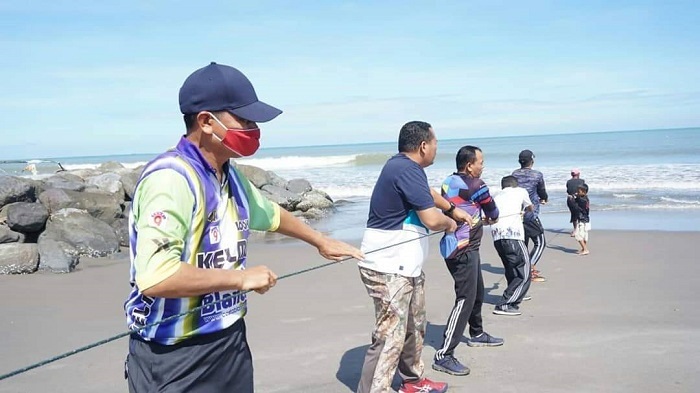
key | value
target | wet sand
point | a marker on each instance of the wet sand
(623, 319)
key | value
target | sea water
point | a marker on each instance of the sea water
(644, 180)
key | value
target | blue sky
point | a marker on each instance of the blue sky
(97, 78)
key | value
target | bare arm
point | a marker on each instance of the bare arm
(436, 221)
(190, 281)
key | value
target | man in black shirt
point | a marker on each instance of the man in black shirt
(572, 186)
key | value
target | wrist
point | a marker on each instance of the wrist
(448, 212)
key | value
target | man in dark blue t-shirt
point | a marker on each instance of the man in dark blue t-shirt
(402, 210)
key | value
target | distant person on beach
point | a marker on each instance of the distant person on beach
(31, 168)
(402, 209)
(189, 223)
(466, 190)
(509, 240)
(533, 181)
(582, 205)
(572, 186)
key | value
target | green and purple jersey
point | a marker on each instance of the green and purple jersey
(181, 213)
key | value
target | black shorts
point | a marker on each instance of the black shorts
(216, 362)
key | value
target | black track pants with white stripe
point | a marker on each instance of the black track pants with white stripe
(469, 290)
(516, 263)
(535, 231)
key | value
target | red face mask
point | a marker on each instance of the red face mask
(242, 141)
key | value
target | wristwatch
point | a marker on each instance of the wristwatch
(449, 211)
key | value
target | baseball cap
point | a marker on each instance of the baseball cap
(526, 155)
(448, 244)
(575, 171)
(219, 87)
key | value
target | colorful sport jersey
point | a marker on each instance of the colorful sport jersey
(181, 213)
(401, 191)
(471, 195)
(532, 181)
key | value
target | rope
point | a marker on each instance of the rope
(124, 334)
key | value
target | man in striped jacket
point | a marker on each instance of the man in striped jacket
(533, 181)
(468, 192)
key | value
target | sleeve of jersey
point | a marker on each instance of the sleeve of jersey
(483, 198)
(164, 204)
(413, 184)
(264, 214)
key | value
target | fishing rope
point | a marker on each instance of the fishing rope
(127, 333)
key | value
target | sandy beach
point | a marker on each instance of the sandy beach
(623, 319)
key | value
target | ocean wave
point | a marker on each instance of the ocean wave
(297, 162)
(306, 162)
(371, 159)
(654, 206)
(130, 165)
(346, 192)
(681, 201)
(626, 196)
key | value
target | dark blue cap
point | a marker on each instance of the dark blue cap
(218, 87)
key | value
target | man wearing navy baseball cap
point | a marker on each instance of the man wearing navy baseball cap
(190, 220)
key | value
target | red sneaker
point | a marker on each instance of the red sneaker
(423, 386)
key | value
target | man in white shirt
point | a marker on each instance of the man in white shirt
(509, 239)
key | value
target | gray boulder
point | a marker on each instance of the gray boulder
(86, 233)
(65, 183)
(18, 258)
(15, 189)
(277, 180)
(121, 228)
(103, 206)
(85, 173)
(109, 182)
(129, 181)
(26, 217)
(57, 256)
(315, 199)
(259, 177)
(110, 166)
(299, 186)
(286, 199)
(314, 214)
(7, 235)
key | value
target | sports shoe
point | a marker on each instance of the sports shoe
(506, 310)
(484, 340)
(423, 386)
(449, 364)
(526, 298)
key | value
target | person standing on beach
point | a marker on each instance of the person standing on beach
(402, 209)
(465, 189)
(189, 223)
(572, 186)
(582, 206)
(533, 181)
(509, 240)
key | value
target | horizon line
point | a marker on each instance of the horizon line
(381, 142)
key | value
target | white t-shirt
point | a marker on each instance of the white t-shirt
(510, 202)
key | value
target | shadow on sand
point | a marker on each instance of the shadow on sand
(350, 369)
(564, 249)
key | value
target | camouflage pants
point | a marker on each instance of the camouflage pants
(397, 339)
